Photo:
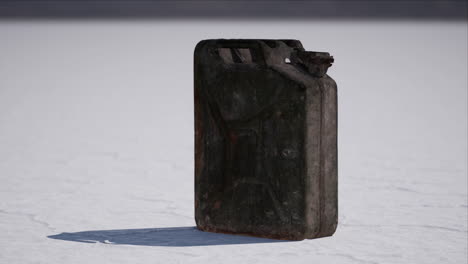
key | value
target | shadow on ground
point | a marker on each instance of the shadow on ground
(166, 237)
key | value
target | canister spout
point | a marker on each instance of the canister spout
(316, 63)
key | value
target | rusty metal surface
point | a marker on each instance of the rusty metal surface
(265, 139)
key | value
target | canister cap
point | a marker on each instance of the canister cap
(316, 63)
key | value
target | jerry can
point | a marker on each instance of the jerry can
(265, 139)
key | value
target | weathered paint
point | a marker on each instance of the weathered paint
(265, 139)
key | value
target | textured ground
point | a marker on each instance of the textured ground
(96, 136)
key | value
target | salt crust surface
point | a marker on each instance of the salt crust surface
(96, 136)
